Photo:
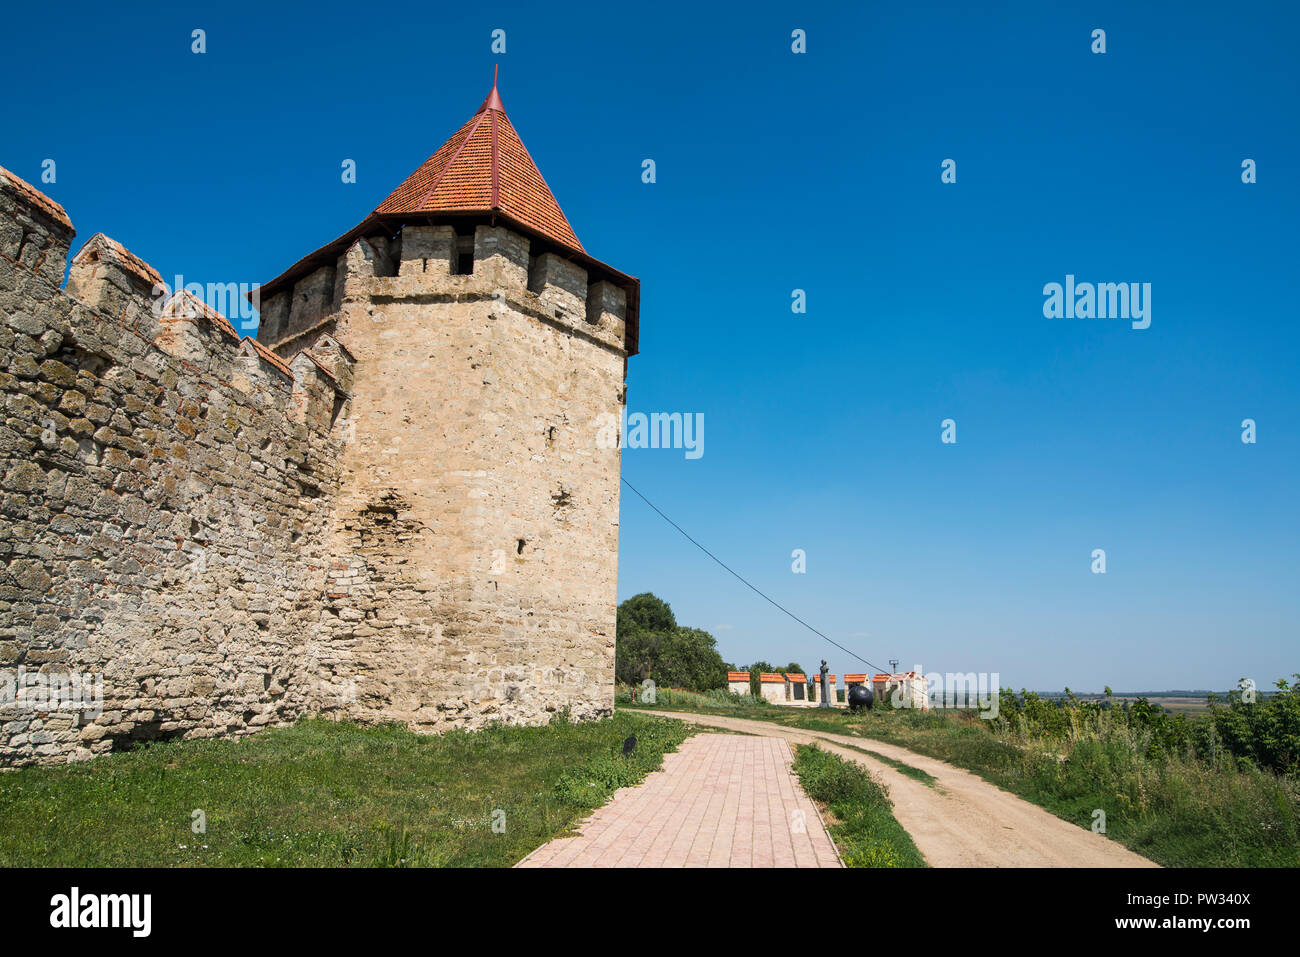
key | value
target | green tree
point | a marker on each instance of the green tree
(650, 644)
(688, 658)
(645, 612)
(755, 682)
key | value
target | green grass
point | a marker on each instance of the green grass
(1175, 809)
(916, 774)
(674, 699)
(861, 817)
(325, 793)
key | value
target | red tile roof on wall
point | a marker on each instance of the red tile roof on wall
(270, 356)
(101, 248)
(737, 675)
(770, 678)
(325, 371)
(186, 305)
(37, 198)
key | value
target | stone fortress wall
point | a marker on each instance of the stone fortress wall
(392, 507)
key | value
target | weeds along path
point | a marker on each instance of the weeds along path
(959, 819)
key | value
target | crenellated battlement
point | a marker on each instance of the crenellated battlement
(161, 481)
(108, 278)
(114, 285)
(443, 264)
(35, 231)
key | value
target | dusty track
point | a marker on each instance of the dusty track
(964, 821)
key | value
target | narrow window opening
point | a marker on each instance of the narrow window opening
(462, 263)
(387, 254)
(536, 278)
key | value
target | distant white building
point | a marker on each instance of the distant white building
(805, 690)
(774, 688)
(793, 689)
(907, 687)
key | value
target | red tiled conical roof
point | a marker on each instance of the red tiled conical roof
(484, 168)
(482, 172)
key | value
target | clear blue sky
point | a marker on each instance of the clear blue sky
(819, 171)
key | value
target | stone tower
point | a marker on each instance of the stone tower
(392, 505)
(473, 539)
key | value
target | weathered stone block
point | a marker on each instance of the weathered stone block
(427, 250)
(560, 284)
(313, 298)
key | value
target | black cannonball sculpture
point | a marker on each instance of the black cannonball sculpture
(860, 697)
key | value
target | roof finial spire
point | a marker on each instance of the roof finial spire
(493, 101)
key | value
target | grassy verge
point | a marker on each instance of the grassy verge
(1175, 809)
(861, 817)
(325, 793)
(916, 774)
(674, 699)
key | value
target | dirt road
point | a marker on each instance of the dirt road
(963, 821)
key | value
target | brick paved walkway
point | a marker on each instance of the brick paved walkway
(720, 800)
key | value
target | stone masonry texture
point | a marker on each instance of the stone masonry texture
(392, 507)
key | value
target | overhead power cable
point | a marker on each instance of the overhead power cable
(746, 583)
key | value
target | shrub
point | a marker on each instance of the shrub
(679, 698)
(866, 833)
(1265, 733)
